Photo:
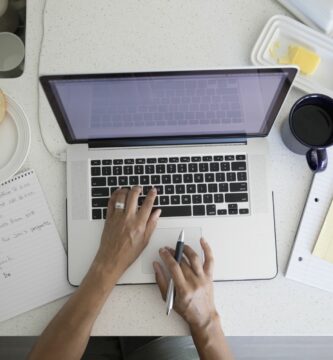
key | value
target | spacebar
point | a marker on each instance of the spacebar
(175, 210)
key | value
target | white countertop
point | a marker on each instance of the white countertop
(132, 35)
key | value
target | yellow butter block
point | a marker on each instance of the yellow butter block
(324, 244)
(307, 60)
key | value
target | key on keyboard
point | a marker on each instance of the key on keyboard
(209, 185)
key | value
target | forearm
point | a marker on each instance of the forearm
(211, 342)
(67, 335)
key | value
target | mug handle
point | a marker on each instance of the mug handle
(317, 159)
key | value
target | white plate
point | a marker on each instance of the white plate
(285, 31)
(15, 140)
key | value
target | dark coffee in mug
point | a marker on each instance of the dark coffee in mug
(313, 125)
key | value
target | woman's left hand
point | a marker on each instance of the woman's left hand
(126, 231)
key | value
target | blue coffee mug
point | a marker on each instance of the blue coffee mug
(309, 129)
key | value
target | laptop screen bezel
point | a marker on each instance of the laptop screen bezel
(167, 140)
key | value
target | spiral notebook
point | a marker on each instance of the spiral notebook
(304, 266)
(32, 258)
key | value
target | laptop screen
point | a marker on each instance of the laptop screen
(173, 104)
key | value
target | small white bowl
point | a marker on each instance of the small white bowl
(11, 54)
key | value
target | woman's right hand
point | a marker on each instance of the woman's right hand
(194, 299)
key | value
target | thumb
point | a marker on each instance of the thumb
(161, 279)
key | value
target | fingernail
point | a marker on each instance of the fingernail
(163, 250)
(157, 213)
(169, 248)
(155, 266)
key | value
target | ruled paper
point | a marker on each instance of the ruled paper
(324, 243)
(303, 265)
(32, 258)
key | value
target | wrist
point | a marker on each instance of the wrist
(210, 340)
(107, 265)
(213, 323)
(101, 277)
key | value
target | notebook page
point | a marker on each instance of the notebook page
(324, 244)
(32, 258)
(303, 265)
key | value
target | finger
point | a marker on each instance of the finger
(174, 268)
(209, 258)
(132, 199)
(186, 269)
(172, 251)
(152, 223)
(120, 198)
(161, 279)
(184, 265)
(111, 204)
(147, 205)
(194, 260)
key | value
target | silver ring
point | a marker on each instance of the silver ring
(120, 205)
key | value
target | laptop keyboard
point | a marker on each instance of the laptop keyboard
(213, 185)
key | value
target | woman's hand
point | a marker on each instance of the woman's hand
(194, 299)
(126, 231)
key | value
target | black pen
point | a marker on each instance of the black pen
(178, 258)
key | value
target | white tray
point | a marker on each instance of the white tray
(286, 31)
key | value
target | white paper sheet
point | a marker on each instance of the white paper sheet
(32, 257)
(303, 265)
(315, 13)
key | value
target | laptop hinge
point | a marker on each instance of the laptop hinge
(143, 142)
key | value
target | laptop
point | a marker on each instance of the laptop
(198, 136)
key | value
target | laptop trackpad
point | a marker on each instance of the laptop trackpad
(168, 237)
